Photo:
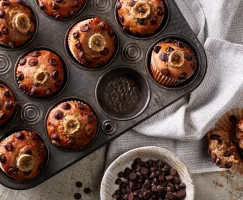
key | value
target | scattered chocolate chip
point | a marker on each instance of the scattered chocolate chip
(91, 118)
(6, 93)
(5, 31)
(79, 184)
(78, 45)
(111, 32)
(118, 5)
(55, 75)
(183, 76)
(9, 146)
(9, 105)
(84, 28)
(188, 57)
(178, 43)
(77, 196)
(33, 62)
(154, 20)
(125, 28)
(58, 115)
(58, 84)
(33, 92)
(218, 161)
(36, 54)
(20, 135)
(157, 49)
(214, 137)
(81, 106)
(76, 35)
(29, 152)
(20, 76)
(66, 106)
(31, 135)
(2, 158)
(170, 49)
(233, 119)
(160, 11)
(87, 190)
(2, 116)
(12, 170)
(105, 52)
(2, 13)
(53, 61)
(165, 71)
(102, 25)
(42, 6)
(22, 61)
(164, 57)
(228, 165)
(141, 21)
(132, 3)
(55, 137)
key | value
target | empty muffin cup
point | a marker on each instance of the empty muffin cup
(122, 93)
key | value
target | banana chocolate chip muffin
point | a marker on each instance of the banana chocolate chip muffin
(92, 42)
(72, 125)
(17, 23)
(22, 155)
(140, 17)
(61, 9)
(8, 104)
(172, 62)
(40, 74)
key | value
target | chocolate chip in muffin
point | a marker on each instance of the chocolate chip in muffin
(20, 76)
(36, 54)
(79, 184)
(2, 13)
(22, 61)
(28, 151)
(170, 49)
(91, 118)
(160, 11)
(75, 3)
(78, 45)
(8, 105)
(183, 76)
(6, 93)
(53, 61)
(157, 49)
(9, 146)
(154, 20)
(20, 135)
(214, 137)
(33, 92)
(132, 3)
(76, 35)
(126, 29)
(188, 57)
(81, 106)
(233, 119)
(55, 75)
(12, 44)
(228, 165)
(101, 25)
(178, 43)
(66, 106)
(84, 28)
(12, 170)
(77, 196)
(141, 21)
(111, 32)
(55, 137)
(2, 116)
(55, 6)
(71, 12)
(118, 5)
(42, 6)
(5, 31)
(165, 71)
(121, 18)
(87, 190)
(2, 158)
(58, 115)
(33, 62)
(164, 57)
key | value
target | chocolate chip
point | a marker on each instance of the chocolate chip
(55, 75)
(58, 115)
(22, 61)
(111, 32)
(20, 76)
(3, 159)
(91, 118)
(5, 31)
(55, 6)
(33, 92)
(78, 45)
(55, 137)
(9, 146)
(33, 62)
(233, 119)
(58, 84)
(121, 18)
(105, 52)
(79, 184)
(102, 25)
(3, 116)
(228, 165)
(132, 3)
(12, 170)
(59, 1)
(11, 44)
(121, 174)
(188, 57)
(2, 13)
(76, 35)
(8, 105)
(154, 20)
(81, 106)
(214, 137)
(31, 135)
(6, 93)
(118, 181)
(165, 71)
(178, 43)
(164, 57)
(71, 12)
(118, 5)
(84, 28)
(66, 106)
(183, 76)
(218, 161)
(169, 195)
(77, 196)
(87, 190)
(160, 11)
(157, 49)
(36, 54)
(170, 49)
(29, 152)
(42, 6)
(53, 61)
(48, 92)
(125, 28)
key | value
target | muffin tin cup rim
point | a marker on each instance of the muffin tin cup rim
(26, 43)
(41, 138)
(77, 99)
(195, 51)
(145, 81)
(63, 19)
(65, 67)
(73, 59)
(11, 120)
(152, 35)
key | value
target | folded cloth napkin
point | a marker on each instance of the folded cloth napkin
(218, 25)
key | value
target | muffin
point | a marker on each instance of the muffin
(223, 151)
(140, 17)
(239, 135)
(17, 23)
(61, 9)
(8, 104)
(22, 155)
(72, 125)
(172, 62)
(40, 74)
(92, 42)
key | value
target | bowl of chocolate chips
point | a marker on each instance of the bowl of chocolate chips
(151, 173)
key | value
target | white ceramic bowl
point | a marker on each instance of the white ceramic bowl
(108, 186)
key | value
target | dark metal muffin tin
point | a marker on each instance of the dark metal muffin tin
(134, 54)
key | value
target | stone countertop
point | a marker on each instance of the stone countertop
(209, 186)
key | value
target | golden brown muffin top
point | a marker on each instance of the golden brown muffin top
(92, 42)
(8, 104)
(174, 59)
(72, 125)
(40, 73)
(22, 155)
(17, 23)
(61, 8)
(141, 17)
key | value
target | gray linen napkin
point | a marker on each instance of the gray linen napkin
(219, 27)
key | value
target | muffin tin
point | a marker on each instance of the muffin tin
(88, 85)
